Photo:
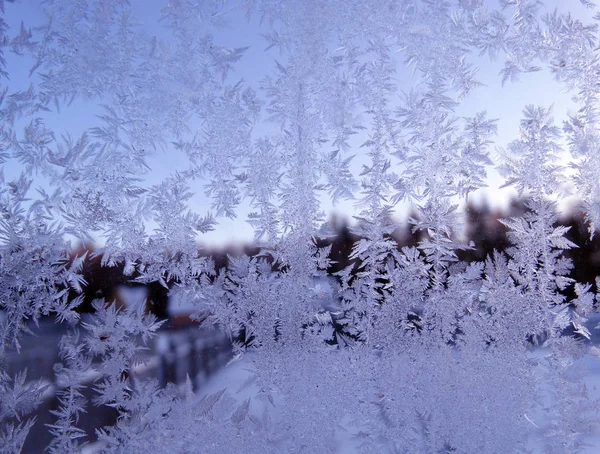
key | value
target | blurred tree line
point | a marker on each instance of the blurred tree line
(483, 229)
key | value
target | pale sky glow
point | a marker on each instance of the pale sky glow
(504, 103)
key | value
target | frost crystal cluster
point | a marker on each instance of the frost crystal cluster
(407, 350)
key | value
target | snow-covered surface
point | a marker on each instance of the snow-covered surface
(132, 296)
(180, 304)
(591, 363)
(236, 378)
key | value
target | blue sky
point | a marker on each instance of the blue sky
(505, 103)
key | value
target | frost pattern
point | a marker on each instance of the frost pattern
(407, 349)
